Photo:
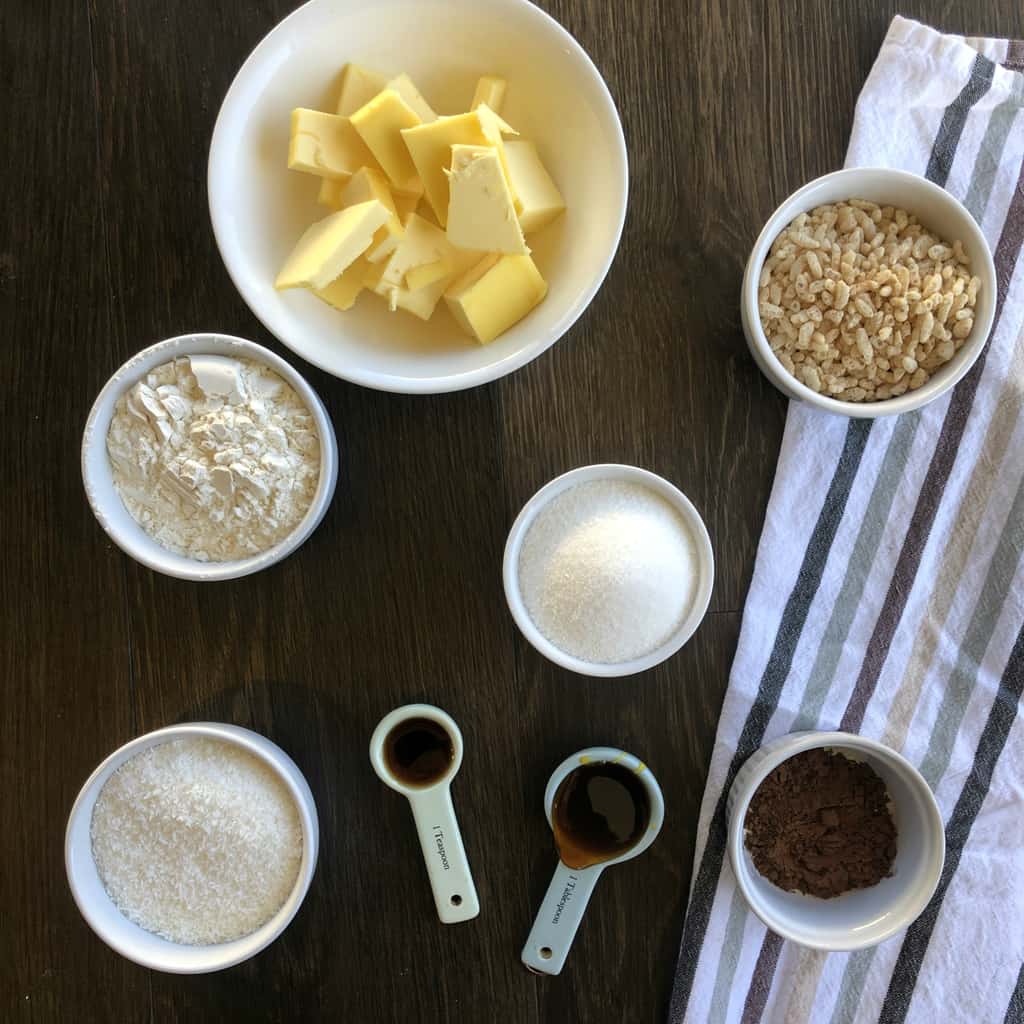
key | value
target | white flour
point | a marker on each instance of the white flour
(216, 459)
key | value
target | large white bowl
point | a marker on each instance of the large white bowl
(705, 561)
(556, 97)
(135, 943)
(938, 211)
(98, 476)
(863, 917)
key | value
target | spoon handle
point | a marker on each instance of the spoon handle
(559, 916)
(445, 856)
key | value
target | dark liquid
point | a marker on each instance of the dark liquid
(599, 812)
(418, 751)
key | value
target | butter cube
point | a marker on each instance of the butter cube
(326, 144)
(490, 90)
(495, 294)
(429, 273)
(412, 97)
(344, 289)
(538, 195)
(372, 275)
(379, 123)
(430, 147)
(367, 184)
(358, 86)
(405, 204)
(481, 214)
(330, 192)
(423, 244)
(331, 245)
(426, 211)
(495, 129)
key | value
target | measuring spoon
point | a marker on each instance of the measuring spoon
(586, 803)
(417, 751)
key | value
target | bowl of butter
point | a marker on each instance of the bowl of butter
(418, 198)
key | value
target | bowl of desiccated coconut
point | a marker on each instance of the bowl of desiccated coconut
(869, 292)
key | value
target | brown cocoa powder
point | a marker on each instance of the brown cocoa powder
(821, 824)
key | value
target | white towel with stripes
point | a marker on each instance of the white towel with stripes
(888, 599)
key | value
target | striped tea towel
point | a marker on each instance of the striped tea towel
(888, 599)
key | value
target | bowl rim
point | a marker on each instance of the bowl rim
(282, 765)
(770, 756)
(391, 382)
(521, 526)
(983, 266)
(151, 554)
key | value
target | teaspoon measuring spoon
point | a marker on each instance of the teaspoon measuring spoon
(429, 794)
(566, 900)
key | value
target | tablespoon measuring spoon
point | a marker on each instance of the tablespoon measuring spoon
(605, 807)
(417, 751)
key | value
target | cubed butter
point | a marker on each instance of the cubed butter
(412, 97)
(330, 192)
(481, 214)
(372, 275)
(344, 289)
(540, 200)
(379, 124)
(358, 86)
(428, 273)
(405, 204)
(326, 144)
(331, 245)
(422, 244)
(430, 146)
(496, 129)
(426, 211)
(495, 294)
(367, 184)
(490, 89)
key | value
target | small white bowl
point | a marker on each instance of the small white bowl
(939, 212)
(863, 917)
(629, 474)
(556, 98)
(139, 945)
(98, 477)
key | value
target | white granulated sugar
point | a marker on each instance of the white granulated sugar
(608, 571)
(217, 459)
(197, 840)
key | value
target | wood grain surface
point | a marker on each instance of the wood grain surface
(106, 246)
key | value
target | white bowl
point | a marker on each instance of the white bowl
(556, 97)
(939, 212)
(863, 917)
(629, 474)
(139, 945)
(98, 477)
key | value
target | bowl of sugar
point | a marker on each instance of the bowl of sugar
(608, 570)
(191, 848)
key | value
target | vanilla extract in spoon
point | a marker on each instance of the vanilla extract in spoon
(600, 811)
(418, 751)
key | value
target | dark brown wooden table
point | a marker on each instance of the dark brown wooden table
(106, 247)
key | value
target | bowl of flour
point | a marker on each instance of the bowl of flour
(207, 457)
(608, 570)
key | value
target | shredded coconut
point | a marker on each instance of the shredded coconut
(215, 458)
(197, 840)
(607, 571)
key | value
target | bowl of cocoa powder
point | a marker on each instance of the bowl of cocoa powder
(836, 841)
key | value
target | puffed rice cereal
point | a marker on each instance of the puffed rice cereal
(862, 303)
